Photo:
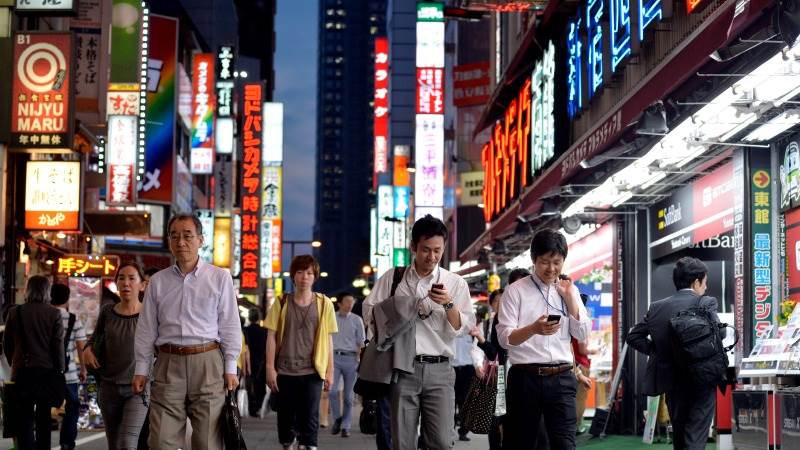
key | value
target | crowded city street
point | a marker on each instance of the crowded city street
(399, 224)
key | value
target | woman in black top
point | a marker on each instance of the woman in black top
(34, 346)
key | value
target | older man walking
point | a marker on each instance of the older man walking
(347, 344)
(190, 315)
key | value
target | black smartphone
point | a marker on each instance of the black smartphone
(563, 277)
(553, 318)
(437, 286)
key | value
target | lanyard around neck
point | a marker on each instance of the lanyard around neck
(547, 297)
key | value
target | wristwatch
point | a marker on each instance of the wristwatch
(448, 306)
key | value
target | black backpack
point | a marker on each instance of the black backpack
(697, 345)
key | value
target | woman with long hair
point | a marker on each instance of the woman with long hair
(34, 346)
(110, 352)
(300, 354)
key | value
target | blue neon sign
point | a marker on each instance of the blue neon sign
(574, 68)
(594, 38)
(620, 23)
(650, 11)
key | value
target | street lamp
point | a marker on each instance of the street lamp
(316, 244)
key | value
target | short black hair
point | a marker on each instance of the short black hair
(253, 315)
(59, 294)
(198, 226)
(426, 228)
(344, 294)
(548, 241)
(517, 274)
(688, 270)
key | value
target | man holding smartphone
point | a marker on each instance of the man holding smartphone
(445, 312)
(539, 316)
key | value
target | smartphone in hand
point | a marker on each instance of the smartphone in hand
(554, 318)
(439, 287)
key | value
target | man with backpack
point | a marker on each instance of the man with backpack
(425, 399)
(670, 335)
(74, 339)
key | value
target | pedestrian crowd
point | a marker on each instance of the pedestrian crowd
(171, 350)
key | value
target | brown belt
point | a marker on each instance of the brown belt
(543, 370)
(187, 349)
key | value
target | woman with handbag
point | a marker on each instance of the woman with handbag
(110, 352)
(34, 346)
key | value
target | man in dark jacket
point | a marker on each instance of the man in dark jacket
(691, 407)
(256, 337)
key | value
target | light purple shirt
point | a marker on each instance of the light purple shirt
(189, 310)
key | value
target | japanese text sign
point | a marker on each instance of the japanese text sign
(381, 98)
(52, 195)
(88, 265)
(41, 108)
(203, 105)
(251, 185)
(121, 161)
(471, 84)
(430, 90)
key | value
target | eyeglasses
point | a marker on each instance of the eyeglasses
(178, 237)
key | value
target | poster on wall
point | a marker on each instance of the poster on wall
(790, 173)
(156, 185)
(41, 89)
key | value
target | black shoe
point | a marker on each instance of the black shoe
(345, 433)
(337, 426)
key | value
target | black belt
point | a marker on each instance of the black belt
(544, 370)
(342, 352)
(431, 359)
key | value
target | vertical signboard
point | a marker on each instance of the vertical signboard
(121, 153)
(385, 229)
(222, 242)
(761, 229)
(381, 98)
(271, 183)
(206, 217)
(87, 27)
(739, 249)
(429, 122)
(159, 160)
(223, 188)
(273, 133)
(252, 104)
(52, 195)
(201, 158)
(126, 27)
(41, 110)
(223, 129)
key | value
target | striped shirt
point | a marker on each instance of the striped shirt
(78, 334)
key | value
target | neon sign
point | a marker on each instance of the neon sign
(649, 12)
(574, 67)
(620, 23)
(594, 38)
(543, 123)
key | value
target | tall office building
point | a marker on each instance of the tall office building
(344, 136)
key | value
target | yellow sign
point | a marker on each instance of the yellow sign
(761, 179)
(222, 242)
(88, 265)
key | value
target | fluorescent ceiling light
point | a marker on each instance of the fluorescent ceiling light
(775, 126)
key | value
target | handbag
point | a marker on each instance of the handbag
(232, 423)
(45, 385)
(479, 406)
(368, 420)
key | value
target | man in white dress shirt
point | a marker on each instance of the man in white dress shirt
(540, 314)
(445, 312)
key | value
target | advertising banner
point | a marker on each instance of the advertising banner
(122, 102)
(224, 74)
(271, 204)
(381, 108)
(121, 146)
(184, 97)
(223, 187)
(203, 106)
(790, 174)
(252, 104)
(53, 195)
(126, 30)
(385, 229)
(159, 163)
(82, 265)
(272, 136)
(429, 179)
(206, 217)
(694, 213)
(222, 242)
(87, 27)
(471, 84)
(430, 90)
(761, 218)
(41, 110)
(793, 254)
(51, 7)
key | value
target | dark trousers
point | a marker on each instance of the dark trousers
(69, 426)
(464, 376)
(256, 391)
(495, 434)
(145, 434)
(383, 438)
(34, 412)
(528, 398)
(298, 408)
(691, 412)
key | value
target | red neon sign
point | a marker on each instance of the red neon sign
(505, 156)
(693, 5)
(251, 186)
(381, 120)
(430, 90)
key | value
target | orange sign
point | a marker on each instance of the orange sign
(505, 156)
(52, 195)
(761, 179)
(88, 265)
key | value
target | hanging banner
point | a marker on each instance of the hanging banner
(41, 110)
(761, 229)
(203, 106)
(87, 27)
(126, 29)
(121, 149)
(53, 195)
(271, 183)
(156, 185)
(252, 103)
(381, 109)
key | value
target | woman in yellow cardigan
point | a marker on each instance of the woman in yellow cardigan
(300, 354)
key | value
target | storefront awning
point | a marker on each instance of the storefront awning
(673, 71)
